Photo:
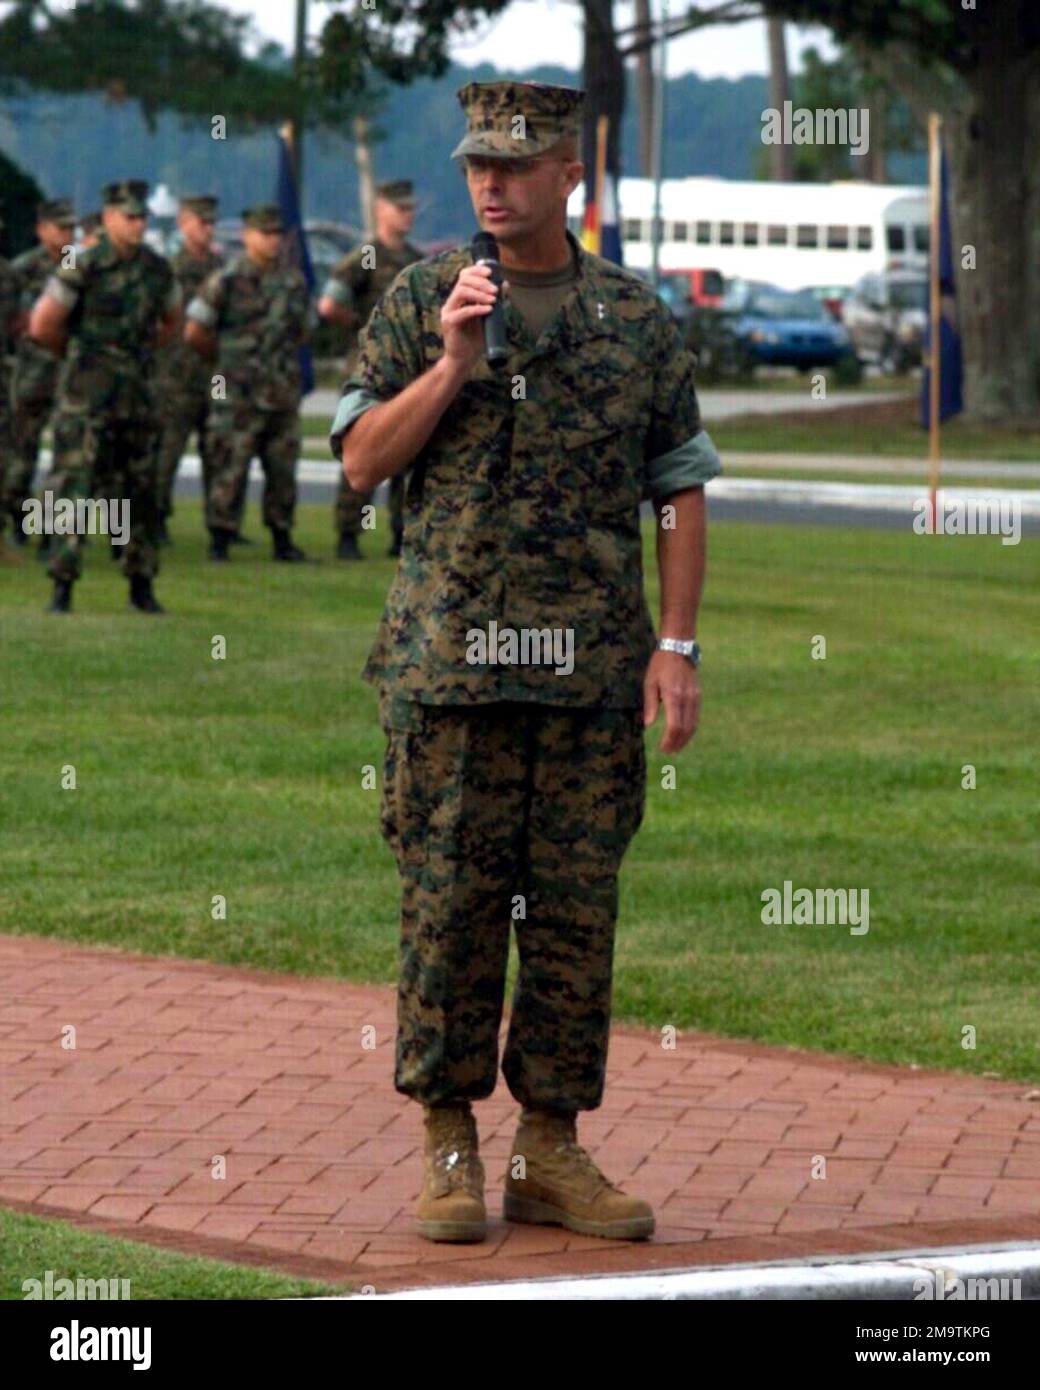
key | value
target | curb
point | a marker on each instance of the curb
(902, 1276)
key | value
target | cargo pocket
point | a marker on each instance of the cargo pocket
(401, 820)
(630, 816)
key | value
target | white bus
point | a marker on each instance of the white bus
(789, 234)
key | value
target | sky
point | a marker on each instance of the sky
(537, 31)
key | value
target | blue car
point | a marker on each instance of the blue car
(767, 326)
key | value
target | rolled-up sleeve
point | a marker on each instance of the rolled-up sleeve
(64, 290)
(692, 464)
(389, 357)
(353, 404)
(679, 451)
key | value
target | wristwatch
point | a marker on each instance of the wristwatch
(690, 650)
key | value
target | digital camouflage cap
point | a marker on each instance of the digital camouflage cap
(129, 195)
(517, 120)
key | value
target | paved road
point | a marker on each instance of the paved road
(715, 405)
(765, 500)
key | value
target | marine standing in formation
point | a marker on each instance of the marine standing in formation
(251, 317)
(348, 298)
(512, 787)
(108, 310)
(35, 380)
(184, 383)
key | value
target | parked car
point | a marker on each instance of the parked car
(762, 325)
(886, 316)
(832, 297)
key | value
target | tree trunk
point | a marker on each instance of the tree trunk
(995, 207)
(645, 89)
(366, 178)
(877, 159)
(603, 74)
(781, 155)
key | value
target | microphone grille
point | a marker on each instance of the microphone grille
(484, 247)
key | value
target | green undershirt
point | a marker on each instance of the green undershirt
(538, 294)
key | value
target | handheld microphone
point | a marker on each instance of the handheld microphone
(484, 249)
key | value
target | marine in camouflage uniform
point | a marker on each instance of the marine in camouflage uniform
(113, 301)
(184, 382)
(35, 375)
(258, 314)
(512, 790)
(356, 285)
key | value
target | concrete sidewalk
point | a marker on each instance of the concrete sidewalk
(178, 1062)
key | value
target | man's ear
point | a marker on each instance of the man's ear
(574, 175)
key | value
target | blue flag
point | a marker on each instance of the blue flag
(950, 361)
(295, 245)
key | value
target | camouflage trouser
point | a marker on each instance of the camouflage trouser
(497, 814)
(28, 418)
(112, 458)
(180, 416)
(237, 433)
(349, 503)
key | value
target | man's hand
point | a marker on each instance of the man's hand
(670, 679)
(470, 300)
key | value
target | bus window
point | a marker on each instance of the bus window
(837, 238)
(725, 233)
(703, 233)
(864, 238)
(777, 236)
(680, 231)
(750, 233)
(921, 236)
(896, 238)
(808, 236)
(632, 229)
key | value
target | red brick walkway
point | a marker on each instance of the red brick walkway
(176, 1062)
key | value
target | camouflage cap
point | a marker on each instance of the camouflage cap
(202, 204)
(517, 120)
(56, 210)
(90, 222)
(129, 195)
(265, 217)
(398, 191)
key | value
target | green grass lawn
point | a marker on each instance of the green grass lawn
(30, 1245)
(243, 777)
(827, 432)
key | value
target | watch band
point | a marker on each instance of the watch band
(689, 649)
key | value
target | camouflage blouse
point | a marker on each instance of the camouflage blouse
(523, 508)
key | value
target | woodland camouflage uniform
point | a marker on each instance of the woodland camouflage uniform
(106, 426)
(358, 283)
(260, 318)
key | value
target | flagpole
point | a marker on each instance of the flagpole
(935, 309)
(602, 127)
(658, 150)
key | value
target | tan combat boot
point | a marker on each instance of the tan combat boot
(562, 1186)
(451, 1204)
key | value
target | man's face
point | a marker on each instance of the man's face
(55, 235)
(197, 231)
(515, 199)
(125, 229)
(394, 219)
(262, 247)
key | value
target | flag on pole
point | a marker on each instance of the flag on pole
(950, 361)
(295, 243)
(610, 230)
